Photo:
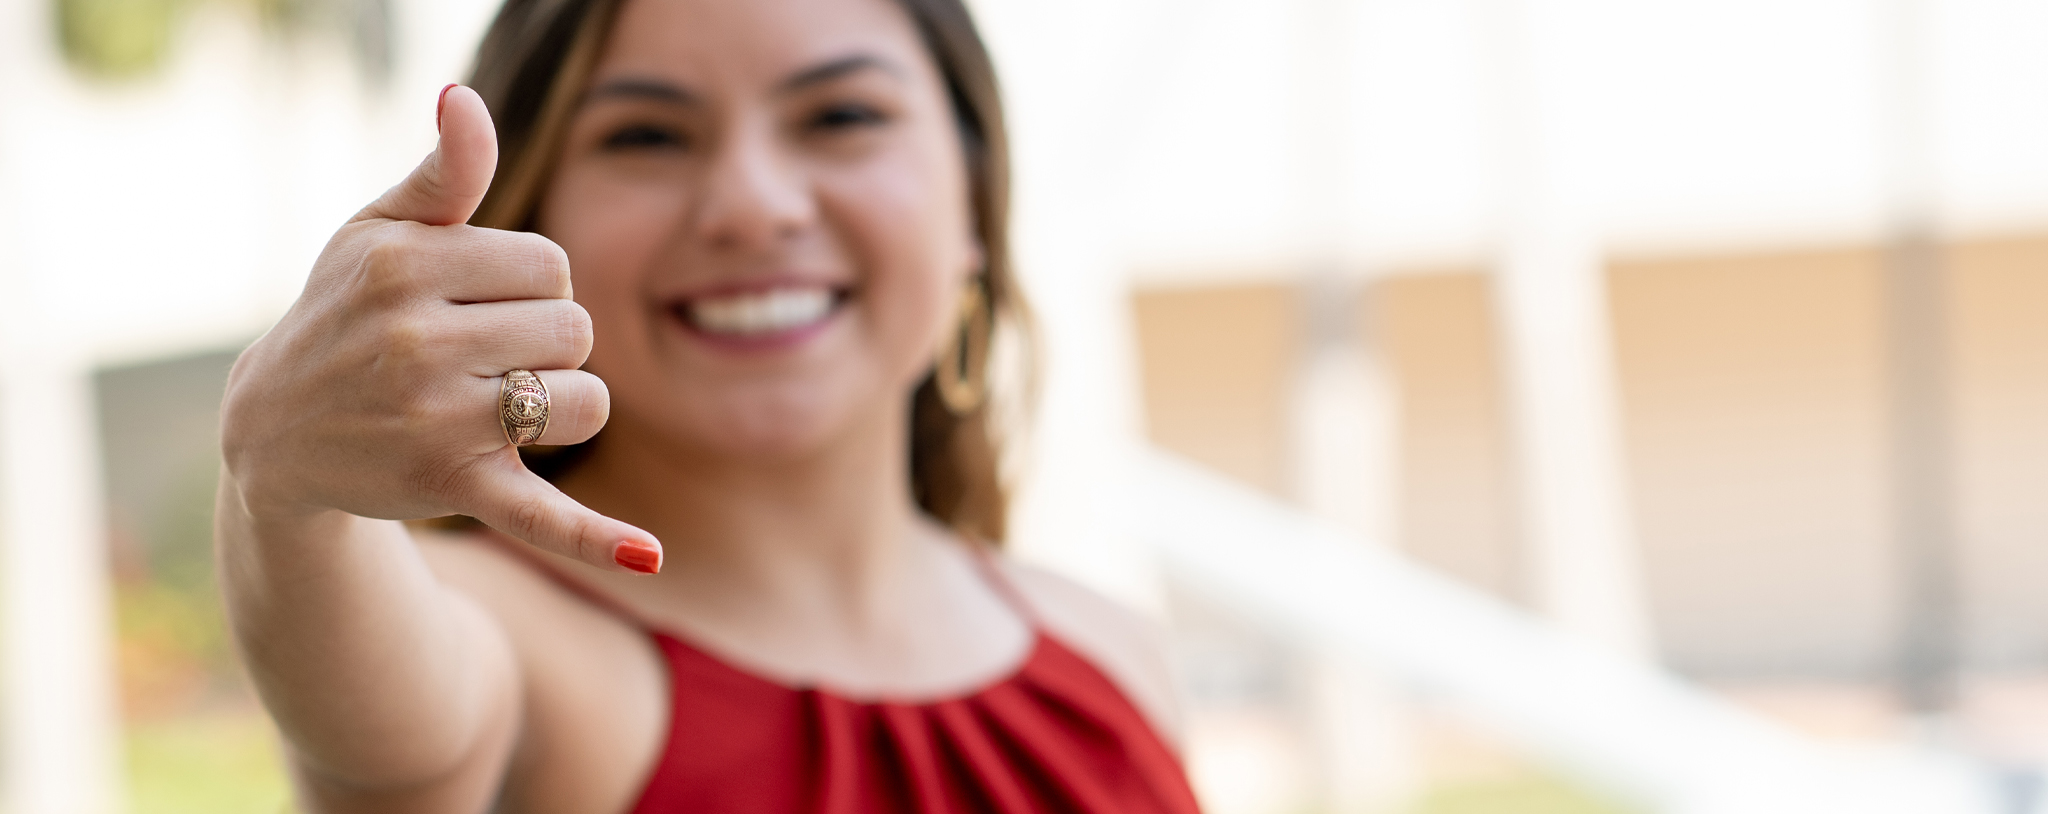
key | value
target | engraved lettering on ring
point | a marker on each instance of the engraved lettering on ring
(523, 407)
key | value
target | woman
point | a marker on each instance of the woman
(768, 585)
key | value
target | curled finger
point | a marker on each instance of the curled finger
(494, 337)
(579, 403)
(550, 407)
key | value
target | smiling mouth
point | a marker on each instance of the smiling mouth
(763, 313)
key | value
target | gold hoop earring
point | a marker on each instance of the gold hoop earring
(961, 372)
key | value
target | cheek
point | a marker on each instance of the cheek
(908, 232)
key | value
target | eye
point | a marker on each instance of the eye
(643, 136)
(846, 117)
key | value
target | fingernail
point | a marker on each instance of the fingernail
(441, 103)
(637, 556)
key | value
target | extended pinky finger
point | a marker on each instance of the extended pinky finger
(512, 500)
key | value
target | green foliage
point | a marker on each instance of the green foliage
(196, 739)
(180, 531)
(173, 645)
(220, 763)
(1529, 793)
(116, 38)
(123, 39)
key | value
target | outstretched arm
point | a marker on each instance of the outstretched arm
(375, 400)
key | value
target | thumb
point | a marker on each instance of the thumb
(447, 187)
(517, 502)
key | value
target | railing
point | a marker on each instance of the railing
(1615, 722)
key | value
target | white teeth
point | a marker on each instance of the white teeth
(761, 312)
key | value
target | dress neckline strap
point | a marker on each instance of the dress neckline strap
(984, 558)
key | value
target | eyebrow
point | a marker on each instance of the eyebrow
(657, 90)
(838, 68)
(653, 90)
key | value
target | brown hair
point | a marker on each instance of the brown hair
(536, 60)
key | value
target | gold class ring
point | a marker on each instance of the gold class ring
(523, 407)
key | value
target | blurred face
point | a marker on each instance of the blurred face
(766, 207)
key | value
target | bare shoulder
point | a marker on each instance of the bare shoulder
(1129, 647)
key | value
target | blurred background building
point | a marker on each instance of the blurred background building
(1680, 363)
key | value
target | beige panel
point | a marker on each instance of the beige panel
(1217, 365)
(2000, 376)
(1756, 440)
(1752, 392)
(1455, 508)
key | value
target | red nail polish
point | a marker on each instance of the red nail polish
(637, 556)
(441, 103)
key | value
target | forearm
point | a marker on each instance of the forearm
(377, 674)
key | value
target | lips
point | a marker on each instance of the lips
(760, 313)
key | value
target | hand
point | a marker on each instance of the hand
(377, 394)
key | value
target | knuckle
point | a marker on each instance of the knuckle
(582, 541)
(527, 514)
(595, 408)
(551, 265)
(576, 328)
(427, 182)
(438, 480)
(404, 342)
(552, 326)
(390, 273)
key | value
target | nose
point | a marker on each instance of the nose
(755, 196)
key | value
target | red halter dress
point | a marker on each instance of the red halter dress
(1056, 735)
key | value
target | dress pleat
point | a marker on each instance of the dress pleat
(1054, 737)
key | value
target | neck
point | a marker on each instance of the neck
(834, 529)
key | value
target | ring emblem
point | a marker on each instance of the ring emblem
(523, 407)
